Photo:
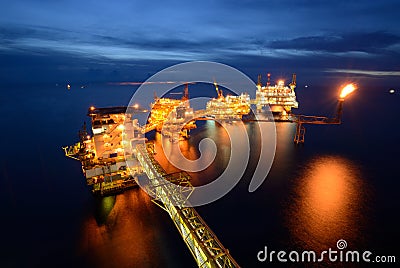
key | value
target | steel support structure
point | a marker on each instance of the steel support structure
(301, 120)
(204, 245)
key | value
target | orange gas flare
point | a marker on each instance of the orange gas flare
(347, 90)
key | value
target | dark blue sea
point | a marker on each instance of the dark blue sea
(343, 183)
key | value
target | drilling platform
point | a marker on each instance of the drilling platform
(228, 107)
(109, 170)
(280, 98)
(102, 154)
(167, 116)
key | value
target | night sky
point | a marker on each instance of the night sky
(57, 41)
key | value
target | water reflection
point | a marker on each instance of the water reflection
(327, 205)
(285, 150)
(190, 150)
(104, 206)
(129, 236)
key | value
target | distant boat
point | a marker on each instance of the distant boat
(68, 86)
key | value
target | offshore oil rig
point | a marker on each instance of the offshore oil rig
(280, 98)
(102, 153)
(109, 171)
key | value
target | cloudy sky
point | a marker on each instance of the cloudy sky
(129, 40)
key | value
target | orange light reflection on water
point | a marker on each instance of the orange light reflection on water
(129, 237)
(328, 204)
(190, 151)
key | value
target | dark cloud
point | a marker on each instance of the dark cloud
(26, 68)
(61, 67)
(45, 39)
(82, 40)
(375, 42)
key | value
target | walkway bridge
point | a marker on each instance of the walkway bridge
(204, 245)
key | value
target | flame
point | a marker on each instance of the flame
(347, 90)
